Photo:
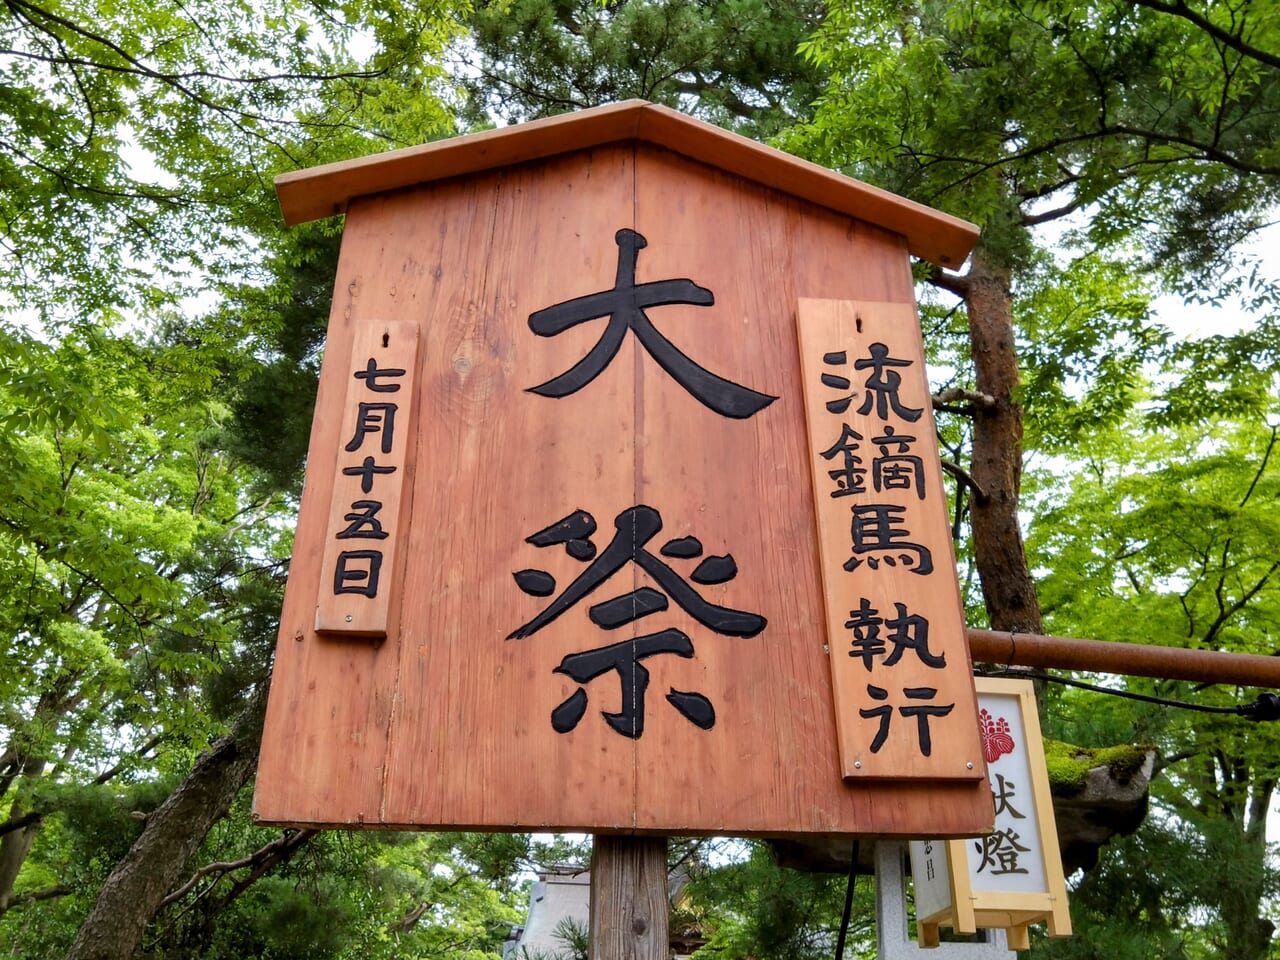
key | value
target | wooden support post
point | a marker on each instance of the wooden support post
(629, 905)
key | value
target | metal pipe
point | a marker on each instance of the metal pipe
(1131, 659)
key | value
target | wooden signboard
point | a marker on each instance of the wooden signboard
(600, 600)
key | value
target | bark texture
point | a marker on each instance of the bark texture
(1007, 587)
(138, 884)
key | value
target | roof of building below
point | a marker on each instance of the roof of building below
(557, 897)
(325, 191)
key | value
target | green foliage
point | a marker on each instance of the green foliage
(140, 138)
(143, 532)
(1166, 535)
(275, 390)
(1150, 493)
(574, 942)
(1132, 905)
(148, 460)
(342, 895)
(1013, 113)
(733, 62)
(129, 551)
(753, 908)
(1086, 341)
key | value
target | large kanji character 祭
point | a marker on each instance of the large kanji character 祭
(624, 657)
(625, 307)
(635, 527)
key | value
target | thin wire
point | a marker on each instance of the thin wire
(1247, 710)
(848, 901)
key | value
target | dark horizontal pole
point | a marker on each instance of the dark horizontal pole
(1130, 659)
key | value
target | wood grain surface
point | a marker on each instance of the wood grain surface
(366, 515)
(630, 912)
(330, 189)
(894, 616)
(449, 723)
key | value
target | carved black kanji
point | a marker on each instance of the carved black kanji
(625, 307)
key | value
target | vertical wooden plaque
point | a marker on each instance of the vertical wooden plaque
(900, 669)
(358, 575)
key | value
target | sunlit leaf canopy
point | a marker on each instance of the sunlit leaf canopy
(140, 139)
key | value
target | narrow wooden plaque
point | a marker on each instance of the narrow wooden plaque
(367, 513)
(900, 669)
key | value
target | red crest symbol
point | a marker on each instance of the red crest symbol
(996, 741)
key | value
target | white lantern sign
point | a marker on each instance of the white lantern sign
(1013, 876)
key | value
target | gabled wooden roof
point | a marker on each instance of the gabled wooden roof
(326, 190)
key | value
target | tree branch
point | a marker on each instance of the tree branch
(410, 919)
(1227, 612)
(1271, 444)
(128, 899)
(33, 14)
(1179, 8)
(1032, 220)
(945, 402)
(17, 823)
(263, 859)
(1200, 150)
(963, 476)
(142, 751)
(952, 282)
(31, 896)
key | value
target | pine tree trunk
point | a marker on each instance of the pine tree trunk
(133, 892)
(1007, 587)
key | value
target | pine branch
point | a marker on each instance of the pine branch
(262, 855)
(283, 854)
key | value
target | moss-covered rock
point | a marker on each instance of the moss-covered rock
(1069, 765)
